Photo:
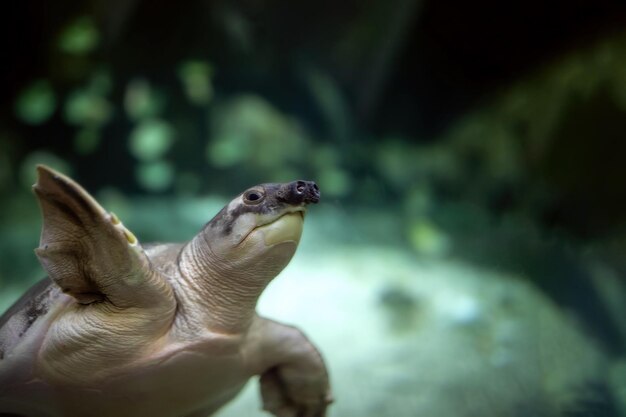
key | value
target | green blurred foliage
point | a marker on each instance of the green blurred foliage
(141, 100)
(249, 132)
(80, 37)
(155, 175)
(151, 139)
(36, 103)
(180, 119)
(196, 79)
(85, 108)
(86, 140)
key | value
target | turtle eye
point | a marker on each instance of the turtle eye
(253, 197)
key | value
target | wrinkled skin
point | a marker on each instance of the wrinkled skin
(119, 329)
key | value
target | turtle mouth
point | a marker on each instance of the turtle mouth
(286, 228)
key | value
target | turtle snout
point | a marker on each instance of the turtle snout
(298, 192)
(308, 190)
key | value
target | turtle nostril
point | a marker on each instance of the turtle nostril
(299, 192)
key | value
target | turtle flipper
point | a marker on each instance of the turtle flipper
(294, 381)
(87, 251)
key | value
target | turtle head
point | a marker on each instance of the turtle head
(244, 247)
(259, 230)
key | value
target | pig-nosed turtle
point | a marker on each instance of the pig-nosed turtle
(122, 329)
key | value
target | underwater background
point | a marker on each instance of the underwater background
(468, 255)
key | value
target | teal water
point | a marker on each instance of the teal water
(466, 258)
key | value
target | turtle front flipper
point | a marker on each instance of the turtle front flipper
(87, 252)
(294, 379)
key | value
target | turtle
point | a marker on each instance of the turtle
(124, 329)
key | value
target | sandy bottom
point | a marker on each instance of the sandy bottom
(404, 337)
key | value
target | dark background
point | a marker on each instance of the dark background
(508, 114)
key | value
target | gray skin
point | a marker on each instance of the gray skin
(121, 329)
